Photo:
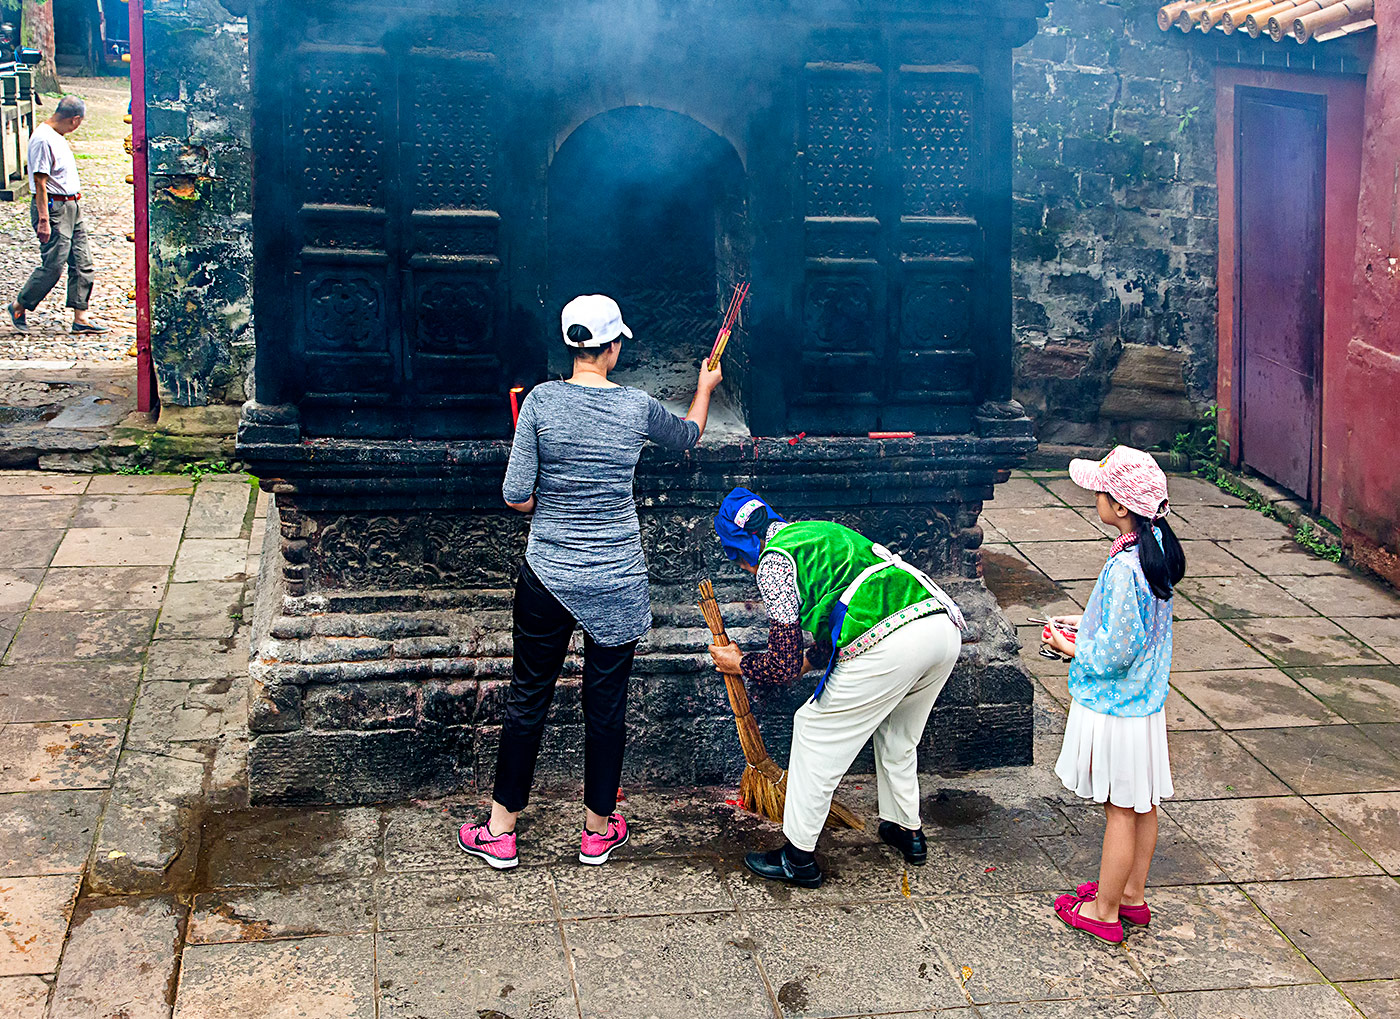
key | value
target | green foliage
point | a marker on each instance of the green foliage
(203, 467)
(133, 469)
(1199, 444)
(1305, 535)
(1186, 120)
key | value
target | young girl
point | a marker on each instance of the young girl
(1115, 749)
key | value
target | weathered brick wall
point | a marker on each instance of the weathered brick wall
(1115, 235)
(198, 104)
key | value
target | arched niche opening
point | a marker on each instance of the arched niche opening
(648, 206)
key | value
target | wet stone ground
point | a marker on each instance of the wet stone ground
(136, 882)
(103, 166)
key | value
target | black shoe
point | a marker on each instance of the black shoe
(18, 320)
(910, 843)
(88, 329)
(775, 866)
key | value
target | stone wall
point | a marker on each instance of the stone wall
(201, 228)
(1115, 242)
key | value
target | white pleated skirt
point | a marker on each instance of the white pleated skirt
(1110, 759)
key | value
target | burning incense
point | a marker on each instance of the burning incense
(730, 317)
(515, 392)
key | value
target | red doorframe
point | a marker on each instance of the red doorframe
(1345, 97)
(145, 369)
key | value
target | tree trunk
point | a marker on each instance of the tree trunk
(36, 30)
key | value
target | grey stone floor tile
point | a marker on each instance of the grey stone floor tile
(474, 972)
(37, 512)
(1305, 642)
(995, 803)
(117, 546)
(1381, 635)
(258, 848)
(48, 832)
(1133, 1006)
(9, 624)
(1253, 699)
(640, 887)
(1211, 765)
(132, 511)
(119, 960)
(422, 899)
(1330, 919)
(1066, 560)
(1017, 949)
(42, 483)
(1357, 693)
(58, 755)
(190, 659)
(1270, 839)
(1371, 820)
(1377, 999)
(1178, 860)
(1041, 524)
(681, 967)
(29, 692)
(1344, 596)
(75, 636)
(424, 838)
(78, 588)
(1384, 735)
(1212, 936)
(219, 508)
(208, 609)
(1323, 759)
(311, 978)
(1242, 597)
(23, 550)
(1304, 1001)
(17, 589)
(211, 559)
(23, 997)
(860, 958)
(1186, 490)
(1203, 645)
(1212, 559)
(201, 711)
(258, 914)
(141, 484)
(264, 503)
(1021, 492)
(1223, 523)
(35, 912)
(1282, 558)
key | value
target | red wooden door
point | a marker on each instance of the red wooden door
(1280, 175)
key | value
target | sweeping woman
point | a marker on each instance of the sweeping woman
(572, 463)
(886, 640)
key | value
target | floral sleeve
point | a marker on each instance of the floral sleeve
(782, 661)
(1106, 654)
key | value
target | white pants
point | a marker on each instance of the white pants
(888, 692)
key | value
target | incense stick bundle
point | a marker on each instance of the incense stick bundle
(763, 786)
(730, 317)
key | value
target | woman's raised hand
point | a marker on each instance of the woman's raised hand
(709, 380)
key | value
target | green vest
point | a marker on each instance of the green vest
(827, 558)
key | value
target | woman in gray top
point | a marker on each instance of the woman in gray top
(572, 463)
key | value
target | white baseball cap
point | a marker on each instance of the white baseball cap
(597, 313)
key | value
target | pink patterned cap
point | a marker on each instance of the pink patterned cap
(1131, 476)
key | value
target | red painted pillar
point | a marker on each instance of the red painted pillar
(1371, 482)
(145, 372)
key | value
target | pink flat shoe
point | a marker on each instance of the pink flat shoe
(1110, 932)
(1139, 916)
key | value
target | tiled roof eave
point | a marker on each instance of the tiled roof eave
(1303, 20)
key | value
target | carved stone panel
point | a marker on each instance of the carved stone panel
(938, 146)
(453, 135)
(455, 316)
(342, 156)
(937, 314)
(408, 551)
(845, 135)
(345, 312)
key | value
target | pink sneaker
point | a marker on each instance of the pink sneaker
(497, 850)
(595, 849)
(1139, 916)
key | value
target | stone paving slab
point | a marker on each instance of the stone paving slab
(1270, 839)
(1136, 1006)
(1179, 860)
(120, 960)
(275, 847)
(417, 901)
(1378, 999)
(1309, 642)
(47, 832)
(1225, 523)
(1304, 1001)
(208, 609)
(17, 589)
(34, 914)
(1204, 645)
(1253, 699)
(1356, 693)
(219, 509)
(1242, 597)
(29, 549)
(102, 587)
(1040, 524)
(1344, 595)
(140, 484)
(1022, 491)
(1381, 635)
(329, 907)
(1276, 558)
(28, 692)
(74, 636)
(1315, 761)
(118, 546)
(311, 978)
(640, 888)
(1386, 736)
(23, 997)
(1371, 820)
(1348, 927)
(211, 559)
(37, 512)
(1212, 765)
(124, 511)
(472, 972)
(58, 755)
(194, 659)
(42, 483)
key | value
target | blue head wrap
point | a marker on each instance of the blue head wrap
(735, 512)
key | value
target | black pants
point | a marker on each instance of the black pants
(542, 630)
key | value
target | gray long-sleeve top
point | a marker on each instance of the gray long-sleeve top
(576, 450)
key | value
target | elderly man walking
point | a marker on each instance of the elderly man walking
(57, 217)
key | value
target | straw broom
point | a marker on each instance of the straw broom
(763, 786)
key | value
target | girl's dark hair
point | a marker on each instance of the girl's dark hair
(581, 334)
(1163, 565)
